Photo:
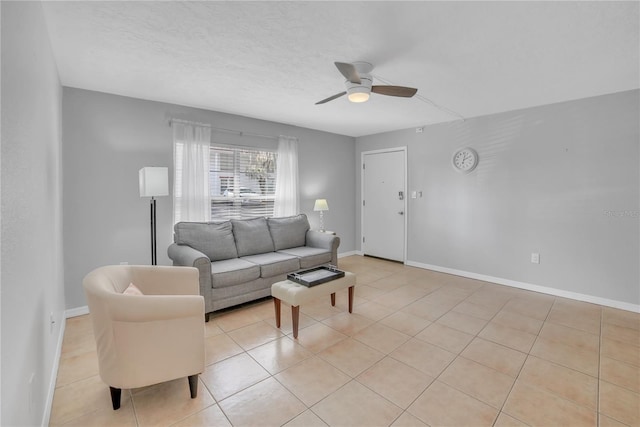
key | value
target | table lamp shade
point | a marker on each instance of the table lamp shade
(321, 205)
(154, 181)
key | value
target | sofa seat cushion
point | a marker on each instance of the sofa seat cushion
(238, 294)
(233, 272)
(214, 239)
(309, 257)
(274, 263)
(252, 236)
(288, 232)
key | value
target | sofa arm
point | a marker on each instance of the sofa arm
(183, 255)
(316, 239)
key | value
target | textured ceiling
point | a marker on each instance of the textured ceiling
(274, 60)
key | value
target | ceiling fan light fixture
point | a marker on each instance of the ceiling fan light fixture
(358, 84)
(359, 92)
(360, 96)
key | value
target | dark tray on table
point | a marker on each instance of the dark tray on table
(316, 276)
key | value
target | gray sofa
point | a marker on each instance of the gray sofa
(239, 260)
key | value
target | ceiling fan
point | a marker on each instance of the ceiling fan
(359, 84)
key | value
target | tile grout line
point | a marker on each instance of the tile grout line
(528, 354)
(317, 354)
(568, 368)
(466, 346)
(385, 355)
(246, 352)
(599, 414)
(133, 407)
(459, 354)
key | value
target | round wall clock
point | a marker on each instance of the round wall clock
(465, 160)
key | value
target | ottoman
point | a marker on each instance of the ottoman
(295, 294)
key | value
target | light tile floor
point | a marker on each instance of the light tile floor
(421, 348)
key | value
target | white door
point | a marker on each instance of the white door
(383, 204)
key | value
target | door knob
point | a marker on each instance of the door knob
(401, 213)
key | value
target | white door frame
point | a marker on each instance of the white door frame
(403, 149)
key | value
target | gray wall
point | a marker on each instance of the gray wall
(31, 273)
(561, 180)
(108, 138)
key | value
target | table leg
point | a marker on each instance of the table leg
(276, 304)
(295, 316)
(351, 289)
(333, 299)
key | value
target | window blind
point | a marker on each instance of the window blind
(242, 182)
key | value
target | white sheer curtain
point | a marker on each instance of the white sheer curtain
(191, 200)
(287, 201)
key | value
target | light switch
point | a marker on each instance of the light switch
(414, 194)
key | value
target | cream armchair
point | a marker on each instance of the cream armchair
(151, 338)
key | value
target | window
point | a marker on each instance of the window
(242, 181)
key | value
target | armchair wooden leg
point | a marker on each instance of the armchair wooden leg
(193, 385)
(206, 317)
(115, 397)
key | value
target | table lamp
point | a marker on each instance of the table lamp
(321, 206)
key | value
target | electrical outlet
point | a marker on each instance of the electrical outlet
(535, 258)
(124, 263)
(419, 130)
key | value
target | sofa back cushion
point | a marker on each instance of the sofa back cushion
(288, 232)
(214, 239)
(252, 236)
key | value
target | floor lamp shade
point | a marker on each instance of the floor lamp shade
(154, 182)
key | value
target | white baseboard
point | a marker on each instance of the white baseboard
(54, 375)
(530, 287)
(75, 312)
(79, 311)
(346, 254)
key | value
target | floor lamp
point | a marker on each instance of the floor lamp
(154, 182)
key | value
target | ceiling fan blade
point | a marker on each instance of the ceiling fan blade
(348, 71)
(331, 98)
(405, 92)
